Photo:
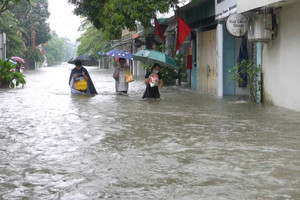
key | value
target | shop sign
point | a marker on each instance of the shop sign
(224, 8)
(237, 25)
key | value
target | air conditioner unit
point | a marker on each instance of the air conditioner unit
(260, 28)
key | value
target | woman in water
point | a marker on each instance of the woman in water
(153, 80)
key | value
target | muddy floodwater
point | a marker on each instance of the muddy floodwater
(188, 146)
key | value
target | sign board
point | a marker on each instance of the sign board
(224, 8)
(237, 25)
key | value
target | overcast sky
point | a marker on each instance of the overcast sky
(66, 24)
(62, 20)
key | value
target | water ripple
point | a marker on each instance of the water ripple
(54, 145)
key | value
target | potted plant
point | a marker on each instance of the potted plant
(8, 75)
(246, 74)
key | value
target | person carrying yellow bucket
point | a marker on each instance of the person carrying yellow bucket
(80, 80)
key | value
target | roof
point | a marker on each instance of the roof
(199, 14)
(191, 5)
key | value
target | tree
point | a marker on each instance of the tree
(92, 41)
(58, 50)
(8, 4)
(14, 42)
(115, 15)
(33, 17)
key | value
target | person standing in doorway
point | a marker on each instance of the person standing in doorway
(119, 75)
(153, 80)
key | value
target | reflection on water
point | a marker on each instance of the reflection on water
(55, 145)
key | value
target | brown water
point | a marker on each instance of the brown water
(54, 145)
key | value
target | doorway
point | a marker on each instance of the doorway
(207, 60)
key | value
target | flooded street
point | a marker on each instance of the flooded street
(191, 146)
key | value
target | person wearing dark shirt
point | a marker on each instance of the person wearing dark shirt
(153, 80)
(80, 80)
(18, 67)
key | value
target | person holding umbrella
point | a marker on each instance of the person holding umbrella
(121, 84)
(19, 61)
(18, 67)
(122, 72)
(153, 80)
(80, 80)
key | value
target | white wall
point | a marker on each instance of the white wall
(281, 61)
(245, 5)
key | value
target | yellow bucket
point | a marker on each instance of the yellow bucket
(81, 85)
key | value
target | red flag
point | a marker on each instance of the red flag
(159, 30)
(183, 30)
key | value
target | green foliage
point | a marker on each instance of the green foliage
(113, 16)
(23, 18)
(179, 59)
(14, 43)
(92, 41)
(33, 16)
(34, 55)
(7, 74)
(161, 48)
(169, 75)
(8, 4)
(58, 50)
(251, 72)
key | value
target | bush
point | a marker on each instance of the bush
(7, 74)
(34, 55)
(246, 73)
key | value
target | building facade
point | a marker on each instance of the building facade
(214, 49)
(279, 56)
